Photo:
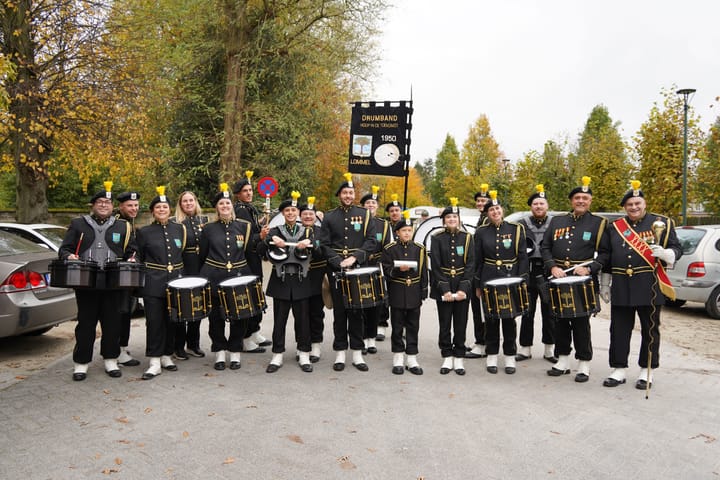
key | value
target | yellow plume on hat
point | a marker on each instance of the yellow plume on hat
(108, 184)
(539, 188)
(453, 201)
(348, 177)
(406, 214)
(295, 195)
(375, 189)
(311, 200)
(585, 181)
(394, 197)
(635, 184)
(484, 187)
(224, 186)
(160, 190)
(248, 174)
(493, 195)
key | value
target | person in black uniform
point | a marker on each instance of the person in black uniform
(500, 251)
(189, 213)
(128, 206)
(99, 237)
(394, 211)
(452, 267)
(407, 287)
(640, 246)
(254, 341)
(570, 243)
(223, 245)
(535, 226)
(160, 248)
(288, 285)
(478, 350)
(347, 238)
(376, 318)
(316, 276)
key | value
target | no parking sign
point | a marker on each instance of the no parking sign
(267, 187)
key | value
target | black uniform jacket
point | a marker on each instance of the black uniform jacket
(248, 212)
(452, 261)
(383, 237)
(571, 240)
(160, 248)
(633, 280)
(191, 258)
(222, 250)
(119, 239)
(291, 286)
(406, 289)
(345, 232)
(500, 251)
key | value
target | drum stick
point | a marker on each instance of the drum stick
(567, 270)
(77, 249)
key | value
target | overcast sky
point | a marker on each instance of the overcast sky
(537, 68)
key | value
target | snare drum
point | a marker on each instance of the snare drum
(241, 297)
(362, 288)
(189, 297)
(73, 273)
(124, 275)
(505, 298)
(573, 296)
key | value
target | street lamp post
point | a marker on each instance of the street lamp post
(506, 190)
(685, 92)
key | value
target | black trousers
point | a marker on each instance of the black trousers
(384, 316)
(409, 321)
(317, 318)
(371, 320)
(233, 342)
(301, 315)
(160, 331)
(573, 331)
(527, 324)
(93, 306)
(622, 322)
(253, 325)
(492, 336)
(187, 333)
(478, 324)
(453, 323)
(347, 323)
(126, 309)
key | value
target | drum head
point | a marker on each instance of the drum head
(235, 281)
(570, 280)
(278, 254)
(188, 282)
(504, 281)
(362, 271)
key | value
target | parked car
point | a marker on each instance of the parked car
(28, 305)
(49, 236)
(696, 275)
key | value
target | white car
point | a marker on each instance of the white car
(43, 234)
(696, 275)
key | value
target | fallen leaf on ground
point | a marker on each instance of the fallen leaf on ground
(295, 438)
(106, 391)
(122, 420)
(186, 434)
(20, 377)
(708, 438)
(148, 410)
(118, 461)
(108, 471)
(228, 461)
(345, 463)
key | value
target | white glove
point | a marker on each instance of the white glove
(667, 255)
(605, 280)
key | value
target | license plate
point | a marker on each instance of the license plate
(47, 279)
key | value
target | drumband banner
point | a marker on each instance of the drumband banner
(380, 138)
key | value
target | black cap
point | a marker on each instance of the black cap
(160, 198)
(633, 192)
(125, 196)
(394, 203)
(493, 202)
(405, 222)
(107, 193)
(452, 208)
(366, 197)
(290, 202)
(539, 193)
(223, 193)
(483, 192)
(240, 184)
(348, 183)
(584, 188)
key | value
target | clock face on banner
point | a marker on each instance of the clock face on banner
(387, 154)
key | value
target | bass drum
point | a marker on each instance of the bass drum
(431, 226)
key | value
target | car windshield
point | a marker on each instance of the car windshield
(54, 234)
(689, 238)
(12, 245)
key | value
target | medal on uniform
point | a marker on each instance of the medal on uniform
(240, 241)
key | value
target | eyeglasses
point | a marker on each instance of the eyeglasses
(103, 201)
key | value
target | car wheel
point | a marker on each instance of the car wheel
(674, 303)
(37, 333)
(713, 303)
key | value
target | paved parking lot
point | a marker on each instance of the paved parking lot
(199, 423)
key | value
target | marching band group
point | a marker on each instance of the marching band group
(186, 268)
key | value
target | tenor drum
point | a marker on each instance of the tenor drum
(362, 288)
(505, 298)
(241, 297)
(73, 273)
(573, 296)
(188, 299)
(124, 275)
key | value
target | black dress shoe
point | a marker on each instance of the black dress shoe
(551, 359)
(372, 350)
(556, 372)
(415, 370)
(509, 370)
(256, 350)
(180, 355)
(492, 370)
(445, 371)
(148, 376)
(133, 362)
(114, 373)
(520, 357)
(380, 337)
(272, 368)
(581, 377)
(364, 351)
(398, 370)
(170, 368)
(266, 343)
(219, 366)
(361, 366)
(475, 355)
(306, 367)
(460, 371)
(642, 384)
(196, 352)
(314, 359)
(234, 365)
(611, 382)
(79, 376)
(339, 366)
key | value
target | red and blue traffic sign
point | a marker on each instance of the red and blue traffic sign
(267, 187)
